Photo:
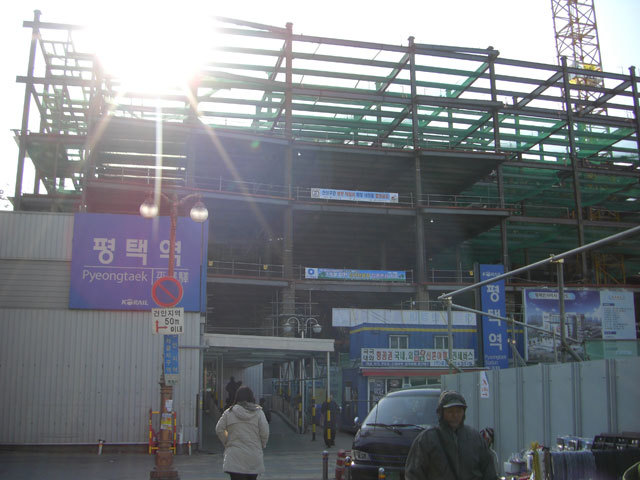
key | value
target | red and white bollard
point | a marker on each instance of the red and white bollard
(100, 444)
(340, 464)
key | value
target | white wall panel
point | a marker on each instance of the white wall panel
(69, 376)
(36, 235)
(34, 284)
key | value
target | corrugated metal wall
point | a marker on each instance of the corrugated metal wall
(76, 376)
(34, 283)
(35, 235)
(543, 402)
(79, 376)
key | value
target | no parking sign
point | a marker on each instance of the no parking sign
(167, 291)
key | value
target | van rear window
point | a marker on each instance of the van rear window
(405, 409)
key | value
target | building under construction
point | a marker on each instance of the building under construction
(324, 153)
(337, 174)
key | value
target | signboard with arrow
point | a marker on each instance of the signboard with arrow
(167, 321)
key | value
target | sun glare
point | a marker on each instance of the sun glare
(154, 49)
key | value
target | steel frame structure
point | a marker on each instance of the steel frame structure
(453, 130)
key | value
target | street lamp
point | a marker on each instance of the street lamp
(149, 209)
(310, 322)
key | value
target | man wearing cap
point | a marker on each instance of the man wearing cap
(451, 450)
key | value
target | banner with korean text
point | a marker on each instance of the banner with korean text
(116, 259)
(494, 331)
(415, 357)
(354, 195)
(351, 274)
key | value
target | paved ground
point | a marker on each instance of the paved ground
(288, 456)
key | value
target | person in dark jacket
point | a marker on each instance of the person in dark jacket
(232, 388)
(330, 411)
(451, 450)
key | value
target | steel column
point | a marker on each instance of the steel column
(24, 128)
(288, 296)
(420, 240)
(503, 222)
(494, 98)
(574, 165)
(636, 105)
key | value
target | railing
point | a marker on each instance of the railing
(463, 201)
(265, 271)
(237, 330)
(268, 270)
(287, 407)
(246, 188)
(449, 276)
(543, 211)
(235, 268)
(304, 193)
(223, 185)
(299, 273)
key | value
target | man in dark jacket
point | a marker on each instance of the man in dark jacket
(330, 411)
(232, 388)
(451, 450)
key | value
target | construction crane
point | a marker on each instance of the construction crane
(576, 33)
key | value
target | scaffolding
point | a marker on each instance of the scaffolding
(529, 153)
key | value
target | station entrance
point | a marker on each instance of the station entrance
(287, 375)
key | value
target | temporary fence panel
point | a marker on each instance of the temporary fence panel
(543, 402)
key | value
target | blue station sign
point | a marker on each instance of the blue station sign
(116, 259)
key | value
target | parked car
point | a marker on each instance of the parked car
(385, 436)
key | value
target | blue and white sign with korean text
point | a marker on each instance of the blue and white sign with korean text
(171, 359)
(494, 331)
(354, 195)
(350, 274)
(117, 258)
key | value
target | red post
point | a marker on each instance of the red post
(164, 469)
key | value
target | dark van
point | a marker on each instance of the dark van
(385, 436)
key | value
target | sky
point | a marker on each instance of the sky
(519, 29)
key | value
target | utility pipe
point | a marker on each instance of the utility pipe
(552, 258)
(511, 320)
(564, 346)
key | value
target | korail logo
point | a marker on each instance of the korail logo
(310, 272)
(135, 302)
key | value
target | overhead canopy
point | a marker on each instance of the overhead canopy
(246, 350)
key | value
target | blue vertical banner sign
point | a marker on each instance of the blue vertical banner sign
(171, 365)
(494, 331)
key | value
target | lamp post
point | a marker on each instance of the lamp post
(309, 323)
(164, 469)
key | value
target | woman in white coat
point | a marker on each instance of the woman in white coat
(244, 431)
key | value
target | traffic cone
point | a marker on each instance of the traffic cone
(340, 463)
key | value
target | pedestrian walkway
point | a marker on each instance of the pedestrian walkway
(288, 456)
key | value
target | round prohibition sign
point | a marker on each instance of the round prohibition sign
(166, 291)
